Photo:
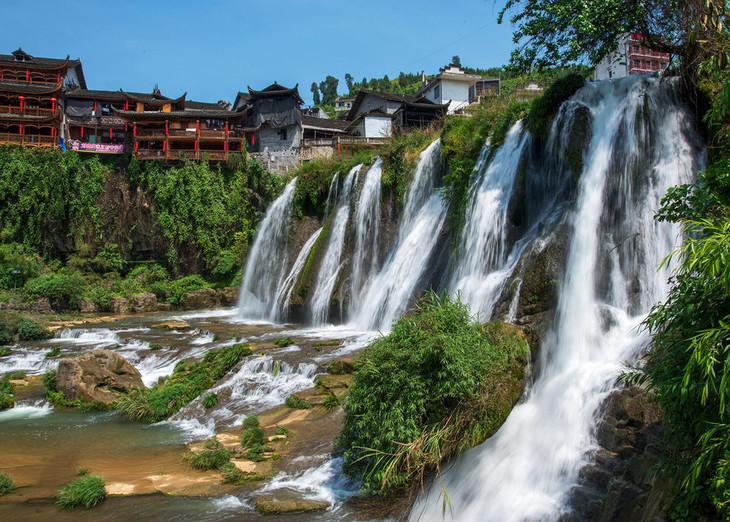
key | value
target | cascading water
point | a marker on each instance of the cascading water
(283, 293)
(267, 263)
(387, 293)
(366, 228)
(331, 261)
(483, 245)
(640, 146)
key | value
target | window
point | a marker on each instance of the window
(282, 134)
(437, 92)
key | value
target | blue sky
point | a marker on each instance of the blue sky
(214, 48)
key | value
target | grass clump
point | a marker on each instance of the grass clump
(296, 403)
(53, 352)
(5, 351)
(210, 400)
(188, 381)
(84, 492)
(284, 342)
(7, 484)
(212, 456)
(331, 402)
(440, 383)
(6, 393)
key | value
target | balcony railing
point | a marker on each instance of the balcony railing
(360, 140)
(25, 111)
(176, 155)
(29, 140)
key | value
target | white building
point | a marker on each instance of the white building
(451, 86)
(631, 57)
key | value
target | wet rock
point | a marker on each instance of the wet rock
(172, 325)
(619, 483)
(202, 298)
(287, 501)
(119, 305)
(87, 306)
(98, 376)
(164, 307)
(144, 302)
(227, 296)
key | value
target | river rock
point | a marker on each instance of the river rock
(172, 325)
(201, 298)
(119, 305)
(42, 306)
(287, 501)
(144, 302)
(87, 306)
(227, 296)
(98, 376)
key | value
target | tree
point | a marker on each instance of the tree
(328, 88)
(456, 61)
(315, 93)
(565, 32)
(348, 80)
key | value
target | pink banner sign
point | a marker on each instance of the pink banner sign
(97, 147)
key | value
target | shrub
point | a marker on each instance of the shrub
(252, 435)
(212, 456)
(6, 401)
(440, 383)
(210, 400)
(49, 380)
(252, 421)
(7, 484)
(255, 452)
(178, 288)
(84, 492)
(295, 402)
(30, 330)
(155, 346)
(281, 430)
(63, 288)
(53, 352)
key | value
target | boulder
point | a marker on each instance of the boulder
(202, 298)
(119, 305)
(86, 306)
(172, 325)
(42, 306)
(228, 296)
(98, 376)
(144, 302)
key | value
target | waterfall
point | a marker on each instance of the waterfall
(387, 293)
(283, 293)
(268, 260)
(640, 146)
(483, 245)
(331, 261)
(366, 228)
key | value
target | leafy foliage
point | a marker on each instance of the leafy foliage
(688, 367)
(439, 383)
(545, 107)
(296, 403)
(84, 492)
(212, 456)
(186, 383)
(7, 484)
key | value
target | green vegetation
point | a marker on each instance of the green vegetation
(331, 402)
(6, 391)
(544, 108)
(438, 384)
(284, 342)
(22, 326)
(84, 492)
(58, 398)
(7, 484)
(296, 403)
(212, 456)
(53, 352)
(210, 400)
(188, 381)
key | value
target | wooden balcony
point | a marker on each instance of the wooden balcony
(180, 155)
(26, 111)
(360, 140)
(28, 140)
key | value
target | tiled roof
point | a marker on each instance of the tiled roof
(324, 123)
(29, 88)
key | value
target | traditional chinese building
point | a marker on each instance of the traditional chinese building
(91, 124)
(31, 97)
(176, 129)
